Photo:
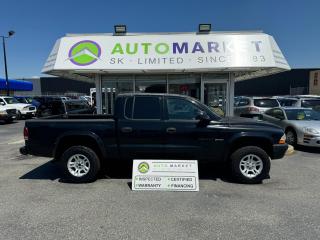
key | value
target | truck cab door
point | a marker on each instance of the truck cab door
(140, 130)
(185, 136)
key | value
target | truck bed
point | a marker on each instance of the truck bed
(78, 116)
(44, 133)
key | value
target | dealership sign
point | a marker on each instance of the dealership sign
(165, 175)
(165, 52)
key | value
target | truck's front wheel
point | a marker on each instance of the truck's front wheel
(250, 164)
(80, 164)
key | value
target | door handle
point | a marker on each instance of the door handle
(171, 130)
(126, 129)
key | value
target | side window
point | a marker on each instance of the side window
(277, 113)
(147, 107)
(243, 102)
(181, 109)
(269, 112)
(128, 107)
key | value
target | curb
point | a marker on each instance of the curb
(290, 150)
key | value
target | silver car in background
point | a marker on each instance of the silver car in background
(301, 125)
(304, 102)
(253, 107)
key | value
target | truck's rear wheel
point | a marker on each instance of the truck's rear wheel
(250, 164)
(80, 164)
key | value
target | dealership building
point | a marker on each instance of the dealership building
(203, 65)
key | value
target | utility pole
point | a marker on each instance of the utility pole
(10, 33)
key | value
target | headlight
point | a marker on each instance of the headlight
(3, 112)
(310, 130)
(26, 108)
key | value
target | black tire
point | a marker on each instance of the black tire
(19, 115)
(237, 165)
(94, 166)
(292, 140)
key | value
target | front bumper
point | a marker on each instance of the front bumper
(279, 150)
(28, 113)
(7, 117)
(310, 140)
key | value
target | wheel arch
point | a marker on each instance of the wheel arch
(263, 142)
(83, 138)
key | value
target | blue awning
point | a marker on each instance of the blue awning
(16, 85)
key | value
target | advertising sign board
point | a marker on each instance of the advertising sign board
(165, 175)
(156, 52)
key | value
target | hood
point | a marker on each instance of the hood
(18, 106)
(315, 124)
(241, 121)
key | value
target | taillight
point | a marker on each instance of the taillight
(26, 133)
(253, 109)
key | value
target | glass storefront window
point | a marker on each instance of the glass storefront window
(151, 83)
(119, 83)
(113, 85)
(186, 84)
(215, 92)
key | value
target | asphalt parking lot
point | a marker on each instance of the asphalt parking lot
(36, 204)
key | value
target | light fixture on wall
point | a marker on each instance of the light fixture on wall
(204, 28)
(120, 29)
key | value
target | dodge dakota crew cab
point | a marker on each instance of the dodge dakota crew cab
(155, 126)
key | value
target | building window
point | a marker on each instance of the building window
(186, 84)
(151, 83)
(315, 81)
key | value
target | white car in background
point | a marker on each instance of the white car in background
(22, 109)
(7, 114)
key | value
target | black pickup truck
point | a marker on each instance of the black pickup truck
(155, 126)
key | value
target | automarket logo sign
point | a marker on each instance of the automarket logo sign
(84, 53)
(143, 167)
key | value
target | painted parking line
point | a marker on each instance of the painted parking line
(16, 142)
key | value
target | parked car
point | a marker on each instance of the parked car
(304, 102)
(77, 107)
(253, 107)
(7, 114)
(155, 126)
(301, 125)
(23, 109)
(65, 98)
(56, 106)
(86, 98)
(27, 100)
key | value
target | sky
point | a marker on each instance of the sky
(294, 24)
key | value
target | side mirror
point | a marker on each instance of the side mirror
(2, 103)
(203, 118)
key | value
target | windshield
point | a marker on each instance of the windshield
(11, 100)
(302, 114)
(22, 100)
(76, 105)
(266, 103)
(311, 103)
(28, 99)
(215, 115)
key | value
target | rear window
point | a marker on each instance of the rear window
(266, 103)
(147, 107)
(312, 103)
(76, 105)
(287, 102)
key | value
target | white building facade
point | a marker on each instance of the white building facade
(204, 66)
